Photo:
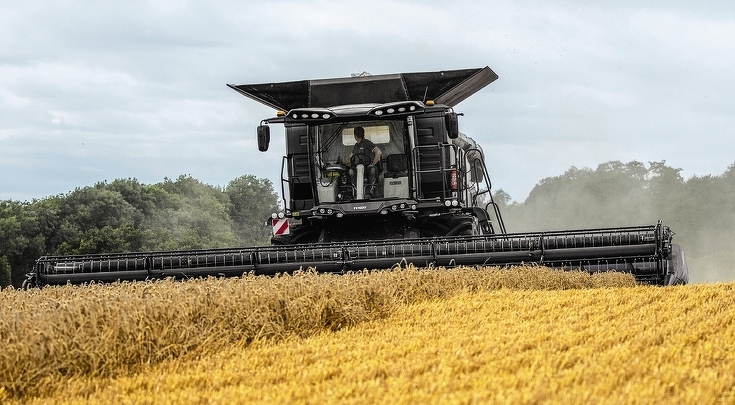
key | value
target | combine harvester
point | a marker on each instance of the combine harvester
(414, 190)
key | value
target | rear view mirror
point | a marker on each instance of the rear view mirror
(264, 137)
(452, 124)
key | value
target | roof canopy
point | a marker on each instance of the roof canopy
(448, 87)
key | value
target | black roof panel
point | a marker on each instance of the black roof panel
(444, 87)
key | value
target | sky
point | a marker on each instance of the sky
(95, 91)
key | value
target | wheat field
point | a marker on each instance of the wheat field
(520, 335)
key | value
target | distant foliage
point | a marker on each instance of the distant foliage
(700, 210)
(5, 279)
(244, 193)
(125, 215)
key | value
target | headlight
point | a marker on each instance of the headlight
(311, 114)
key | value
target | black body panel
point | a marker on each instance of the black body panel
(448, 87)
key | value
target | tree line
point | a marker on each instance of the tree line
(127, 216)
(700, 210)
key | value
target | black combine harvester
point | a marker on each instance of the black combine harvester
(413, 190)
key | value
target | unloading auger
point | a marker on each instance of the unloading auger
(377, 173)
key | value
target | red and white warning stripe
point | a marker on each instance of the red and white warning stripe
(280, 226)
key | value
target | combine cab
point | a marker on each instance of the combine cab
(418, 178)
(376, 172)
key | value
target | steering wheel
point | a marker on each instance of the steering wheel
(361, 158)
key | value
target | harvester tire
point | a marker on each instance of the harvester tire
(434, 229)
(461, 226)
(305, 234)
(281, 240)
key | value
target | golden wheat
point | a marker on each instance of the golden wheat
(55, 334)
(627, 345)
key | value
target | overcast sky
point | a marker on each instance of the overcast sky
(93, 91)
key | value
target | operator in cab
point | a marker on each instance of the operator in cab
(364, 153)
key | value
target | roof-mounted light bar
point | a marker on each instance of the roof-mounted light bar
(397, 108)
(310, 114)
(324, 115)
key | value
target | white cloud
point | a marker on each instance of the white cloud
(11, 100)
(94, 91)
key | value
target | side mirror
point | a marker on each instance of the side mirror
(264, 137)
(452, 124)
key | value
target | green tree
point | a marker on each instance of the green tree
(90, 218)
(125, 215)
(133, 193)
(700, 209)
(5, 276)
(252, 201)
(501, 198)
(199, 216)
(21, 240)
(614, 194)
(96, 207)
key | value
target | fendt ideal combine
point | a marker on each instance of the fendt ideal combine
(377, 173)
